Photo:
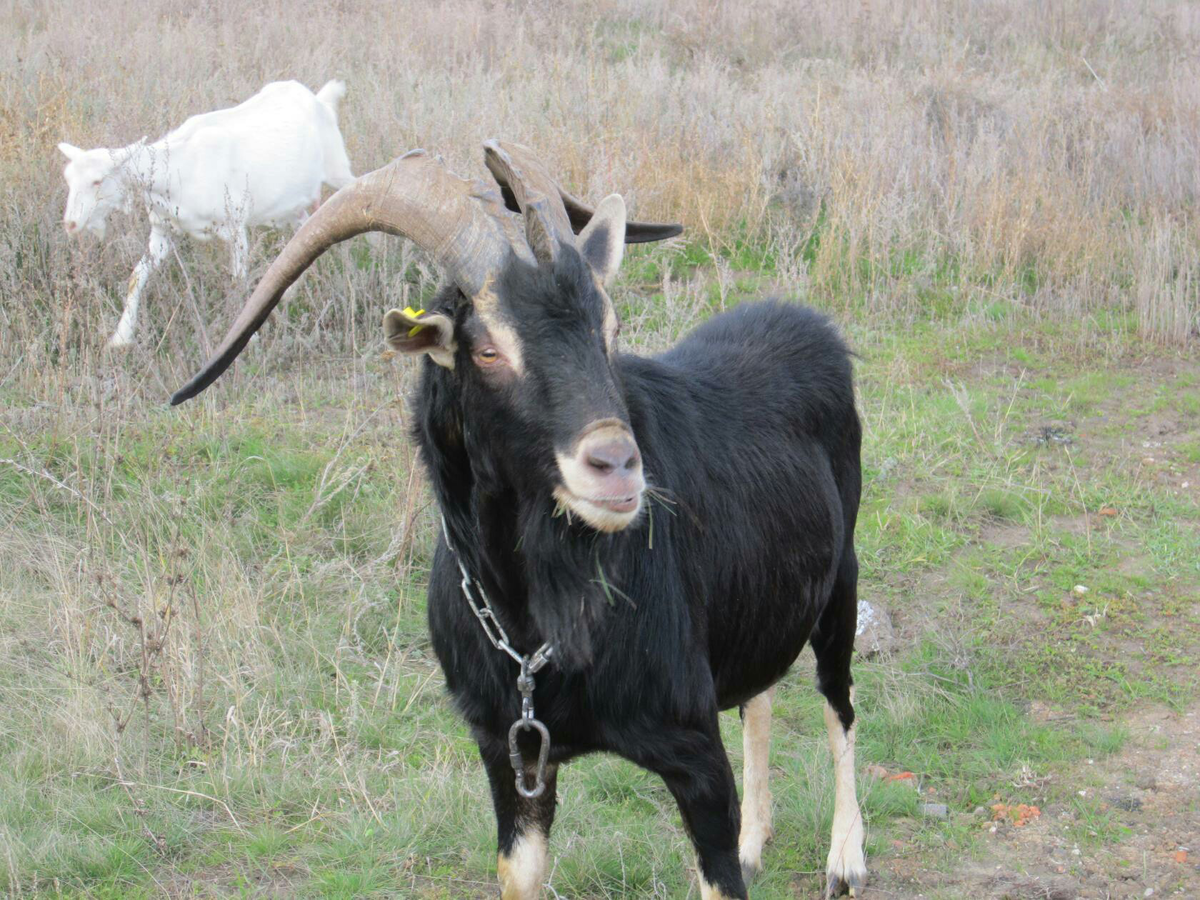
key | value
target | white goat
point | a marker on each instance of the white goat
(261, 162)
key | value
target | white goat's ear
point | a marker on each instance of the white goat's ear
(407, 331)
(602, 241)
(70, 151)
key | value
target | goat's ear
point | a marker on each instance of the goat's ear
(418, 332)
(70, 151)
(602, 241)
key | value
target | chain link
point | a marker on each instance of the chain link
(529, 663)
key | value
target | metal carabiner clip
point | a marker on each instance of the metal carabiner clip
(518, 762)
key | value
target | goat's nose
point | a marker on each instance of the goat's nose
(618, 454)
(71, 225)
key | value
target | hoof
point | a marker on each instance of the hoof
(750, 852)
(117, 342)
(852, 883)
(750, 871)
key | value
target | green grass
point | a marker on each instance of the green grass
(296, 735)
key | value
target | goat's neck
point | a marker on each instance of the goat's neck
(143, 168)
(540, 572)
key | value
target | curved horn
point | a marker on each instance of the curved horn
(578, 212)
(415, 197)
(536, 194)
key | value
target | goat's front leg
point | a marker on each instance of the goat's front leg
(160, 245)
(696, 770)
(523, 825)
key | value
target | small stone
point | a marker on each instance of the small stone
(885, 469)
(874, 634)
(1079, 590)
(1129, 804)
(935, 810)
(1149, 892)
(1146, 781)
(979, 812)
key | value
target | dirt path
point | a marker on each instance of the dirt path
(1134, 833)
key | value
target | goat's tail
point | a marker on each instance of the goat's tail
(332, 94)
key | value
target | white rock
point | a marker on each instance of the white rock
(874, 633)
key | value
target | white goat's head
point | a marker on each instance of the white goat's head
(95, 188)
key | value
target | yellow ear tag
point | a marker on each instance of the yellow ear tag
(414, 314)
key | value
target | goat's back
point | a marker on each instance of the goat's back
(260, 162)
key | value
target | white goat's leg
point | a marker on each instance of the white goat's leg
(239, 260)
(845, 867)
(160, 245)
(756, 797)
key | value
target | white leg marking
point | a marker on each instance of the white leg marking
(756, 797)
(523, 871)
(710, 891)
(845, 867)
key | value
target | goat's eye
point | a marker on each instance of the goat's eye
(487, 356)
(96, 183)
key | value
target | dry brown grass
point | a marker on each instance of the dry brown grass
(1042, 154)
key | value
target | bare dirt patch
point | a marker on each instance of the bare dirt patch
(1124, 827)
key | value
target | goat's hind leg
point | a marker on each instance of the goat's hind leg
(756, 795)
(833, 644)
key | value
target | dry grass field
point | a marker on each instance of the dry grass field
(215, 678)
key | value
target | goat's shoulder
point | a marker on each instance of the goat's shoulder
(766, 326)
(789, 343)
(766, 368)
(756, 336)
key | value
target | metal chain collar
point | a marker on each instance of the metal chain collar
(530, 663)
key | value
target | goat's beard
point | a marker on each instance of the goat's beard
(571, 573)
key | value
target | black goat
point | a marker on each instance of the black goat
(667, 532)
